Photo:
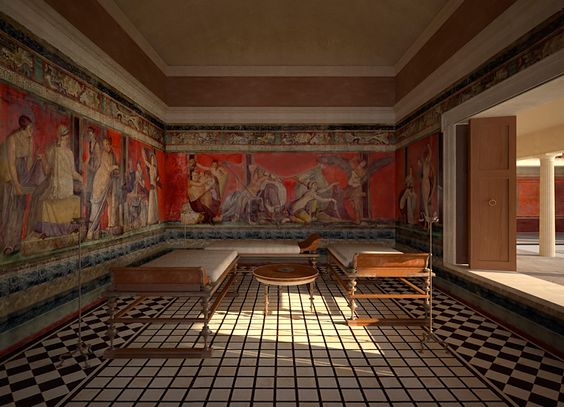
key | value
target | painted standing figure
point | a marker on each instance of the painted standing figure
(153, 207)
(427, 184)
(55, 204)
(94, 154)
(18, 171)
(355, 182)
(408, 200)
(104, 190)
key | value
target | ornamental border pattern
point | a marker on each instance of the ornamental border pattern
(331, 140)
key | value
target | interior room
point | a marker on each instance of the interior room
(250, 203)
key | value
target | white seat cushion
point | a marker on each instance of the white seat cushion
(252, 246)
(214, 263)
(345, 252)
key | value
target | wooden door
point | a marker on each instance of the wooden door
(462, 193)
(492, 194)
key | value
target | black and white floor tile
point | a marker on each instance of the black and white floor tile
(291, 357)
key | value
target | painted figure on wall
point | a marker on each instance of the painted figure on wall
(408, 200)
(242, 205)
(355, 183)
(92, 165)
(136, 199)
(105, 190)
(273, 196)
(55, 203)
(304, 209)
(18, 175)
(219, 173)
(201, 198)
(153, 205)
(358, 172)
(428, 183)
(279, 188)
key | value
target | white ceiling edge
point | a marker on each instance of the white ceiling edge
(517, 20)
(548, 92)
(304, 71)
(280, 115)
(440, 18)
(42, 20)
(535, 162)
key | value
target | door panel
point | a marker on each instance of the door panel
(491, 211)
(492, 193)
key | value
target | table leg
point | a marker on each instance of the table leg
(352, 289)
(266, 300)
(311, 292)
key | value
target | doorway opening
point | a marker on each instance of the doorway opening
(536, 88)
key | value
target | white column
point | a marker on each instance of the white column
(547, 216)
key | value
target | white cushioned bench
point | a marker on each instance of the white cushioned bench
(179, 273)
(261, 248)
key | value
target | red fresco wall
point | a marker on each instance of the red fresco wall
(383, 189)
(175, 184)
(291, 169)
(528, 208)
(161, 166)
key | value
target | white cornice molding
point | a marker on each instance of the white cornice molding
(518, 19)
(43, 21)
(277, 115)
(443, 15)
(277, 71)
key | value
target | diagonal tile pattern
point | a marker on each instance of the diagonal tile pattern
(291, 357)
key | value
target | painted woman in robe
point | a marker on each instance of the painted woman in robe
(55, 204)
(153, 207)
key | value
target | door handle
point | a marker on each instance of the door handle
(492, 202)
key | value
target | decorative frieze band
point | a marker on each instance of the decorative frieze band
(376, 140)
(32, 72)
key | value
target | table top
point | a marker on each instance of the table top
(285, 273)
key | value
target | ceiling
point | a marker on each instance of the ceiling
(276, 32)
(539, 109)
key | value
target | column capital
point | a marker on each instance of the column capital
(549, 156)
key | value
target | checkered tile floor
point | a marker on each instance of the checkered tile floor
(292, 357)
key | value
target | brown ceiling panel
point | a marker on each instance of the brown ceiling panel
(94, 22)
(463, 25)
(280, 91)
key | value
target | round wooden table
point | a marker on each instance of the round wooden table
(286, 275)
